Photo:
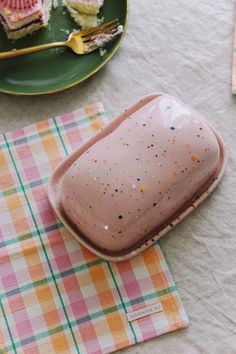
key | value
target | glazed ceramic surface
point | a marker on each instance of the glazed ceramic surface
(135, 177)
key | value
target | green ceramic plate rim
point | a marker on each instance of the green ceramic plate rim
(84, 78)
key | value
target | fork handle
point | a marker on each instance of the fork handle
(37, 48)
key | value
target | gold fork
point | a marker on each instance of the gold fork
(81, 42)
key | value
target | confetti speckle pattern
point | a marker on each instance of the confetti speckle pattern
(170, 174)
(171, 180)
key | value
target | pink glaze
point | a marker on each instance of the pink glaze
(18, 4)
(15, 15)
(124, 186)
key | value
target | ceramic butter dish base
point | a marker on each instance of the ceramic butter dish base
(138, 177)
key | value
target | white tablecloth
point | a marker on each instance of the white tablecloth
(183, 48)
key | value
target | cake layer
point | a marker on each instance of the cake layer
(88, 7)
(20, 26)
(139, 175)
(82, 20)
(20, 33)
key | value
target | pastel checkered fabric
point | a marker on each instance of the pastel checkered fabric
(234, 66)
(56, 296)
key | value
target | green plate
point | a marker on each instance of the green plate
(55, 69)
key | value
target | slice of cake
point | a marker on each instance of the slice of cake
(84, 12)
(84, 21)
(88, 7)
(18, 23)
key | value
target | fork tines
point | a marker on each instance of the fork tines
(104, 28)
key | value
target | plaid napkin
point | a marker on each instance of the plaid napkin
(234, 65)
(56, 296)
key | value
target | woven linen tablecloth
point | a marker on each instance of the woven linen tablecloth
(56, 296)
(234, 65)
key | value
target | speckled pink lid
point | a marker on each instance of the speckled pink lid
(138, 174)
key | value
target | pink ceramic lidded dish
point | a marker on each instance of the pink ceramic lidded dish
(138, 177)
